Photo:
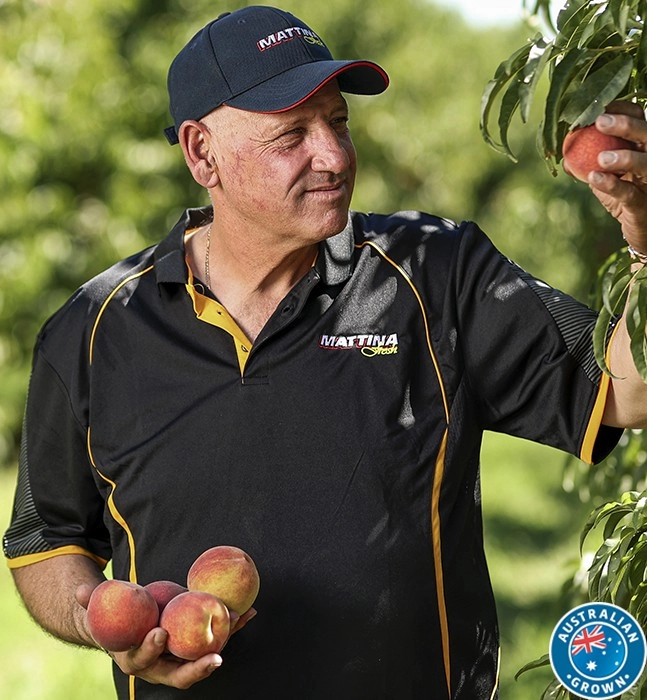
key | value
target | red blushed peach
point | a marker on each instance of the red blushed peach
(197, 624)
(227, 572)
(120, 614)
(164, 592)
(581, 148)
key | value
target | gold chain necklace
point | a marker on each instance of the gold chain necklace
(207, 275)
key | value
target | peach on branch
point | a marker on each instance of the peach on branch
(197, 623)
(164, 592)
(582, 146)
(227, 572)
(120, 614)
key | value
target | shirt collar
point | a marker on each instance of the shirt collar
(335, 260)
(170, 263)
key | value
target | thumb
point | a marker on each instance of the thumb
(83, 593)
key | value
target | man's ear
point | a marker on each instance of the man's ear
(194, 138)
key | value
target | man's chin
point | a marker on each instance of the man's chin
(334, 225)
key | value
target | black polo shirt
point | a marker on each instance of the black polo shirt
(341, 449)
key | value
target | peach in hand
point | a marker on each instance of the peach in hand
(197, 623)
(227, 572)
(120, 614)
(582, 146)
(164, 592)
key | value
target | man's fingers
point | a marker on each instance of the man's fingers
(182, 674)
(631, 126)
(150, 662)
(145, 655)
(614, 193)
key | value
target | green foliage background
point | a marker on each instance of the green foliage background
(88, 178)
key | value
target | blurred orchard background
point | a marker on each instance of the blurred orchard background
(87, 178)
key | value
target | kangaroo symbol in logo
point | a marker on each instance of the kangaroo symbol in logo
(598, 651)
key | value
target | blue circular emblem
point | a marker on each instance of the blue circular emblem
(598, 651)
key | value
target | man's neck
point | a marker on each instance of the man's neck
(249, 283)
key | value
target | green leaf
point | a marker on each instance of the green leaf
(598, 571)
(596, 32)
(641, 52)
(506, 72)
(538, 59)
(541, 662)
(613, 519)
(613, 512)
(568, 70)
(614, 281)
(597, 90)
(577, 17)
(570, 16)
(639, 605)
(638, 521)
(619, 10)
(555, 691)
(616, 567)
(636, 320)
(600, 335)
(509, 105)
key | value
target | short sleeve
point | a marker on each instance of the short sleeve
(528, 352)
(58, 508)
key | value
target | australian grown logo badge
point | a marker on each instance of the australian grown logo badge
(598, 651)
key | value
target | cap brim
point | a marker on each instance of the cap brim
(289, 89)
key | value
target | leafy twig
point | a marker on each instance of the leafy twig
(598, 54)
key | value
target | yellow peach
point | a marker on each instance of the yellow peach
(227, 572)
(197, 623)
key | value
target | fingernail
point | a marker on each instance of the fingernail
(217, 661)
(607, 158)
(160, 638)
(606, 120)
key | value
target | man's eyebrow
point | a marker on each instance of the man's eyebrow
(280, 122)
(275, 129)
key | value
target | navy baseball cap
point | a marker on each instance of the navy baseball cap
(260, 59)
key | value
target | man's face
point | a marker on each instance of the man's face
(285, 177)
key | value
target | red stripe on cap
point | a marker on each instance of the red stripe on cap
(368, 64)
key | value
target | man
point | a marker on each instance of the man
(309, 385)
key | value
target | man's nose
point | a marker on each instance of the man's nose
(330, 152)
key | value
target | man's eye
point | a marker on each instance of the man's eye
(290, 138)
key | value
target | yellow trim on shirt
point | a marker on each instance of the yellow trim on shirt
(439, 473)
(114, 511)
(211, 311)
(18, 562)
(104, 306)
(436, 538)
(595, 421)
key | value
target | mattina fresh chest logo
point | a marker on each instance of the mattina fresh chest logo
(369, 344)
(288, 34)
